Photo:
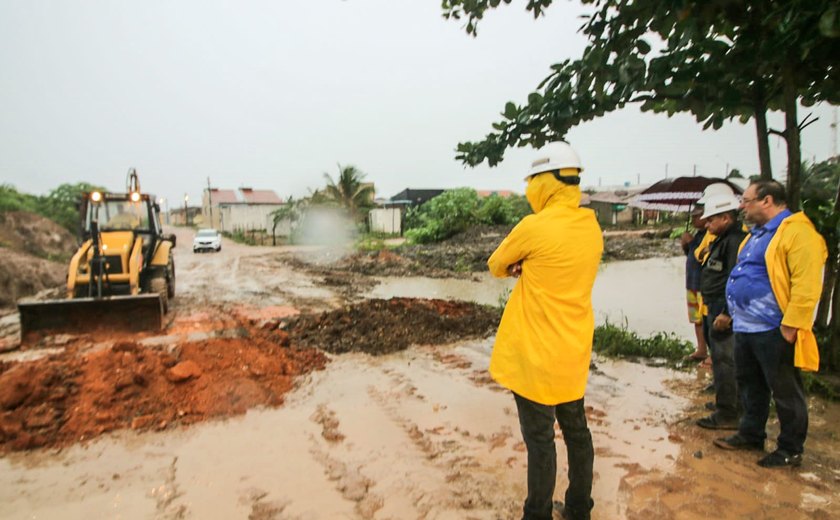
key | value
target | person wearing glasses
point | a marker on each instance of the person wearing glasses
(771, 295)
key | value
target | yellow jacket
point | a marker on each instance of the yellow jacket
(544, 343)
(795, 258)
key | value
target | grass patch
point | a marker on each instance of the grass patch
(612, 340)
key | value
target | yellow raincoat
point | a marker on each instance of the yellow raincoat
(544, 343)
(795, 257)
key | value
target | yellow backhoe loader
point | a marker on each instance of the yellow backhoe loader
(121, 278)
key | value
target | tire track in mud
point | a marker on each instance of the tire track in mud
(349, 479)
(167, 494)
(468, 485)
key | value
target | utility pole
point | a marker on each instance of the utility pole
(210, 202)
(186, 210)
(666, 170)
(694, 174)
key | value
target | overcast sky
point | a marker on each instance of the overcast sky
(272, 94)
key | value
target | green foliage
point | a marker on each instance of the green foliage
(447, 214)
(349, 191)
(59, 205)
(613, 340)
(13, 200)
(454, 211)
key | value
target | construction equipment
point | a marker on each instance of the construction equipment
(121, 277)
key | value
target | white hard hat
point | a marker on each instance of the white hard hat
(718, 188)
(721, 203)
(554, 156)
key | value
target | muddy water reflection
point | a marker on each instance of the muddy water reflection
(648, 294)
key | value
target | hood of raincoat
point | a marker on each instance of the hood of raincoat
(544, 190)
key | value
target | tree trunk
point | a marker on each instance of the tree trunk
(834, 328)
(763, 135)
(830, 277)
(794, 151)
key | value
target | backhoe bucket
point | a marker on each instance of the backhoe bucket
(138, 313)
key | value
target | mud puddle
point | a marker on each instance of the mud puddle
(647, 295)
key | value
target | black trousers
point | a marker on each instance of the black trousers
(764, 362)
(537, 424)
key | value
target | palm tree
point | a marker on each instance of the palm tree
(349, 191)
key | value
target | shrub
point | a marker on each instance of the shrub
(612, 340)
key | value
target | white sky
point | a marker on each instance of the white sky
(273, 93)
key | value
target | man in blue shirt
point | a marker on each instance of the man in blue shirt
(771, 295)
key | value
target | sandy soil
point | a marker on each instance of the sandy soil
(418, 433)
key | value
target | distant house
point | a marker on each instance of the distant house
(613, 207)
(413, 197)
(243, 209)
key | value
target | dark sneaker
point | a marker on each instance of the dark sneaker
(714, 422)
(736, 442)
(710, 405)
(780, 459)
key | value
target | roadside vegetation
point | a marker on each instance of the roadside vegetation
(455, 211)
(59, 205)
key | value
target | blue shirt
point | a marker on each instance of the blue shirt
(749, 296)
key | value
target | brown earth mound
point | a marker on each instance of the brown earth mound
(36, 235)
(24, 275)
(27, 244)
(384, 326)
(70, 397)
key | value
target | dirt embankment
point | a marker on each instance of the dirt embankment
(86, 390)
(29, 243)
(466, 253)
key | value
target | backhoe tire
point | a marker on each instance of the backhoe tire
(158, 285)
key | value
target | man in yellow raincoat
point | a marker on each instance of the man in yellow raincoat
(771, 295)
(544, 343)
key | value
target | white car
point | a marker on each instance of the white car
(207, 240)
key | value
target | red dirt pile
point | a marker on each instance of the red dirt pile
(383, 326)
(71, 397)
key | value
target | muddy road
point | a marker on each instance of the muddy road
(421, 432)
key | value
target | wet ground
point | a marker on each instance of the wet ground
(417, 433)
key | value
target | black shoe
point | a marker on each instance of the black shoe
(570, 514)
(714, 422)
(710, 406)
(780, 459)
(736, 442)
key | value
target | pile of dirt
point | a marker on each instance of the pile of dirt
(35, 235)
(383, 326)
(71, 397)
(24, 275)
(28, 244)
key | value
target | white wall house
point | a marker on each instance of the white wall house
(243, 209)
